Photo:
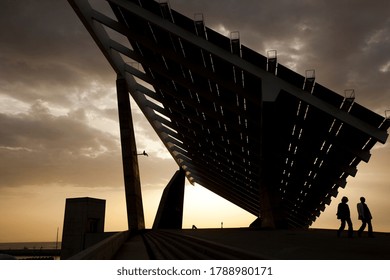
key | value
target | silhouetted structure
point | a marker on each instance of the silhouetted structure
(270, 140)
(365, 216)
(170, 211)
(84, 219)
(344, 215)
(135, 210)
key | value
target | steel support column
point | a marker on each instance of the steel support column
(135, 212)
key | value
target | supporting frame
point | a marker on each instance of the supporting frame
(170, 210)
(135, 212)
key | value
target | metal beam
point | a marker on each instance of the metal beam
(135, 212)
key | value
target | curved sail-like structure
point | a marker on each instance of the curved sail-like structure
(264, 137)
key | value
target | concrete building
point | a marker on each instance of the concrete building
(83, 224)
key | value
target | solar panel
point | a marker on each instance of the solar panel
(327, 95)
(254, 57)
(367, 115)
(290, 76)
(207, 107)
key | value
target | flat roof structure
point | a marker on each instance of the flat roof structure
(273, 142)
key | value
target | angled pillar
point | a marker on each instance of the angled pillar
(135, 212)
(170, 211)
(271, 212)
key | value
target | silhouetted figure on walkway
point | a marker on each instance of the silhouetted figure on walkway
(364, 216)
(344, 215)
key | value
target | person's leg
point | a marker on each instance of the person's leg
(350, 227)
(361, 229)
(370, 234)
(342, 226)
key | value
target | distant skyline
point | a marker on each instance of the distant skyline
(59, 132)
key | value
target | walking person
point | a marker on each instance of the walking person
(365, 216)
(344, 215)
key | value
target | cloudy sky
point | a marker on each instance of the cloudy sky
(59, 134)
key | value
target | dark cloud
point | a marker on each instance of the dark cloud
(38, 147)
(46, 53)
(49, 62)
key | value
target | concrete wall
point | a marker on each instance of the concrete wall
(104, 250)
(84, 217)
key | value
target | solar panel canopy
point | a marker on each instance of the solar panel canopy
(256, 133)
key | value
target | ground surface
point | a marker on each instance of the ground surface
(312, 244)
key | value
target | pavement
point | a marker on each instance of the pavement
(311, 244)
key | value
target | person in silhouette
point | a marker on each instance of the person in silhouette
(344, 215)
(365, 216)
